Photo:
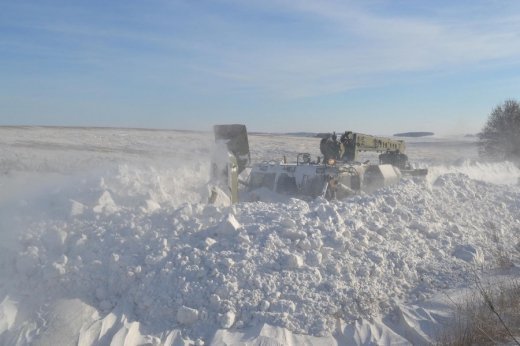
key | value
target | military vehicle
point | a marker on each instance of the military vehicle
(335, 175)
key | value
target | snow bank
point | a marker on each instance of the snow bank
(298, 265)
(140, 257)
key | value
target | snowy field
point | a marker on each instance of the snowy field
(106, 238)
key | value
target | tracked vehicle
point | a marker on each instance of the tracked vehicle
(336, 174)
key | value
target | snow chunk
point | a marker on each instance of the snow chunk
(76, 208)
(209, 242)
(229, 226)
(264, 305)
(293, 261)
(106, 204)
(227, 319)
(151, 206)
(174, 338)
(217, 197)
(8, 312)
(186, 315)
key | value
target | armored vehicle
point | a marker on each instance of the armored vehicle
(336, 174)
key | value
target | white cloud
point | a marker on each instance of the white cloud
(366, 48)
(311, 47)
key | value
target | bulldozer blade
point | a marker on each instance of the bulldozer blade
(235, 138)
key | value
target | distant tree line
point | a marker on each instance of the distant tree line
(500, 136)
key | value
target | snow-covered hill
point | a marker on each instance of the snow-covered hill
(106, 238)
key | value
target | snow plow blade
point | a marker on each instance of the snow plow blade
(231, 156)
(235, 138)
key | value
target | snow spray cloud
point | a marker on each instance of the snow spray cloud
(501, 173)
(88, 172)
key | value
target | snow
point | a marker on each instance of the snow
(186, 315)
(107, 239)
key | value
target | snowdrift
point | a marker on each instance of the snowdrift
(131, 254)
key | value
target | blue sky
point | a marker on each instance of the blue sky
(284, 65)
